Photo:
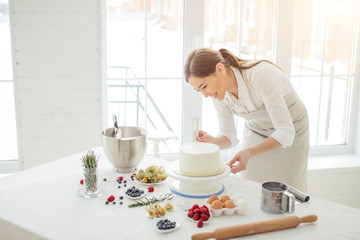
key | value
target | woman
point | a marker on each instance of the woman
(276, 132)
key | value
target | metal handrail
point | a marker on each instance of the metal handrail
(136, 93)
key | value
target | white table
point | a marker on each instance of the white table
(42, 203)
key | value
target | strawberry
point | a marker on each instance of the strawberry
(200, 224)
(82, 181)
(111, 198)
(190, 214)
(150, 189)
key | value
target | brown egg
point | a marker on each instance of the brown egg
(230, 204)
(212, 198)
(217, 204)
(225, 198)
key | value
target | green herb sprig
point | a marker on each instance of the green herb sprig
(149, 201)
(90, 160)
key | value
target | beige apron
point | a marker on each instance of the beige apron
(287, 165)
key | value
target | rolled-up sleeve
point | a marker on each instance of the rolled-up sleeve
(267, 85)
(226, 122)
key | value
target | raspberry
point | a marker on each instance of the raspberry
(120, 178)
(196, 210)
(203, 210)
(150, 189)
(82, 181)
(204, 217)
(196, 216)
(190, 214)
(111, 198)
(200, 224)
(195, 206)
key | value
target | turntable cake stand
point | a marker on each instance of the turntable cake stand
(196, 187)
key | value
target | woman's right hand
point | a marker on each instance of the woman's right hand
(205, 137)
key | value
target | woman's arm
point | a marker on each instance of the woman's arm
(243, 156)
(222, 141)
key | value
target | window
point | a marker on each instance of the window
(243, 27)
(144, 74)
(8, 136)
(323, 65)
(315, 38)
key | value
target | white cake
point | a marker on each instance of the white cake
(199, 159)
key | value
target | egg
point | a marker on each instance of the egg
(236, 197)
(225, 198)
(229, 204)
(217, 204)
(241, 203)
(212, 198)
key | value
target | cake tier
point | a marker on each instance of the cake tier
(199, 159)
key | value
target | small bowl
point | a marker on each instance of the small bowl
(127, 152)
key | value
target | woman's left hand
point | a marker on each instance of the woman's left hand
(242, 158)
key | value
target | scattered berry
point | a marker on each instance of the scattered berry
(111, 198)
(106, 202)
(121, 203)
(82, 181)
(114, 203)
(150, 189)
(104, 179)
(200, 224)
(119, 186)
(124, 185)
(121, 197)
(125, 181)
(120, 178)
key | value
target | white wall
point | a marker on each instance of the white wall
(57, 67)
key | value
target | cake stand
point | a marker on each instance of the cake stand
(196, 187)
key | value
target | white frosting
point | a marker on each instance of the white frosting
(199, 159)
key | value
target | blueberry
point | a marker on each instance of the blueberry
(104, 179)
(106, 202)
(121, 203)
(121, 197)
(124, 185)
(114, 203)
(119, 186)
(125, 181)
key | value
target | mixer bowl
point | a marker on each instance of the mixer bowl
(127, 152)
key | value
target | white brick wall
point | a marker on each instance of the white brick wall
(56, 49)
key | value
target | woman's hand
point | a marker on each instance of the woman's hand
(242, 158)
(205, 137)
(222, 141)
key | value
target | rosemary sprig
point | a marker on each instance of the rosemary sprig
(149, 201)
(90, 163)
(90, 160)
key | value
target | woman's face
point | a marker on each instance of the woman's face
(209, 86)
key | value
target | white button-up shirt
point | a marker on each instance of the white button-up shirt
(263, 84)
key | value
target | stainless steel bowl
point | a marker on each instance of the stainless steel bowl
(127, 152)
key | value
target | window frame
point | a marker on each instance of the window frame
(193, 25)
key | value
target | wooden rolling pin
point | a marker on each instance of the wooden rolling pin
(254, 228)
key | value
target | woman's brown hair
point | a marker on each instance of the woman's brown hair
(202, 62)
